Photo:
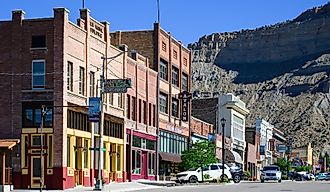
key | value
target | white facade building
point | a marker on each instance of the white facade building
(266, 133)
(234, 111)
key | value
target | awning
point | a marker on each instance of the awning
(238, 158)
(170, 157)
(8, 143)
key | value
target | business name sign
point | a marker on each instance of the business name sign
(94, 109)
(281, 148)
(185, 97)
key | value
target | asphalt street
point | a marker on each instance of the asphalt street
(289, 186)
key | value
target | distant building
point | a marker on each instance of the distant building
(234, 111)
(277, 143)
(302, 155)
(252, 152)
(266, 134)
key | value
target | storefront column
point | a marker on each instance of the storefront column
(3, 168)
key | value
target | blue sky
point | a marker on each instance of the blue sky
(187, 20)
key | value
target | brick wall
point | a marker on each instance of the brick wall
(200, 127)
(205, 109)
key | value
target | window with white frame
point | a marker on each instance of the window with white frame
(92, 84)
(238, 127)
(38, 74)
(163, 73)
(70, 76)
(163, 100)
(81, 80)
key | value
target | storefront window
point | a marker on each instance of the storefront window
(136, 163)
(136, 141)
(150, 145)
(118, 158)
(151, 164)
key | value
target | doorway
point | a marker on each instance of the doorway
(144, 169)
(36, 171)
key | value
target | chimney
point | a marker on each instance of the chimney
(18, 16)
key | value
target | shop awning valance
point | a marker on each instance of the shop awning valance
(170, 157)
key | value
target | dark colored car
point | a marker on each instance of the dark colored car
(236, 173)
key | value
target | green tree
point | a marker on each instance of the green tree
(284, 165)
(199, 155)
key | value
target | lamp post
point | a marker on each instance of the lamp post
(223, 122)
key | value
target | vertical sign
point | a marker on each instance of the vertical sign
(185, 97)
(94, 109)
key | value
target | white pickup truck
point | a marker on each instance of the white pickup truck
(271, 173)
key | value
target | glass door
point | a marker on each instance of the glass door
(36, 171)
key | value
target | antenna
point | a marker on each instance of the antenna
(83, 4)
(158, 12)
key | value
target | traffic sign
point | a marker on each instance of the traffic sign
(116, 85)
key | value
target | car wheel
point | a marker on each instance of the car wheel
(193, 179)
(262, 181)
(280, 181)
(237, 178)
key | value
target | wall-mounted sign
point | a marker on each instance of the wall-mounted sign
(211, 137)
(94, 109)
(117, 85)
(262, 150)
(185, 97)
(96, 29)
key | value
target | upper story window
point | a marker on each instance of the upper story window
(175, 76)
(120, 100)
(92, 84)
(184, 82)
(38, 73)
(81, 80)
(175, 54)
(175, 107)
(38, 41)
(32, 116)
(163, 46)
(163, 74)
(163, 102)
(70, 76)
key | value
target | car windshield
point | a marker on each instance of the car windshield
(271, 169)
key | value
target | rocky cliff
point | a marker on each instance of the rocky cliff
(281, 71)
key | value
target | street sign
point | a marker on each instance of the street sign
(211, 137)
(116, 85)
(97, 149)
(281, 148)
(94, 109)
(185, 97)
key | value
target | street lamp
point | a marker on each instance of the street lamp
(98, 185)
(223, 122)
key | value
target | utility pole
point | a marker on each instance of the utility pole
(43, 113)
(98, 185)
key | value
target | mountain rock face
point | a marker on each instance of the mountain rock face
(281, 72)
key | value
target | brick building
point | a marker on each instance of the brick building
(172, 61)
(200, 129)
(141, 114)
(54, 62)
(252, 152)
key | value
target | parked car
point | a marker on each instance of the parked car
(269, 173)
(321, 177)
(212, 172)
(311, 176)
(236, 173)
(327, 176)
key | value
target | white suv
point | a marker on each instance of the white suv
(212, 172)
(272, 172)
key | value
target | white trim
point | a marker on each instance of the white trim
(39, 60)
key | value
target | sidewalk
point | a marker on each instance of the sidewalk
(112, 187)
